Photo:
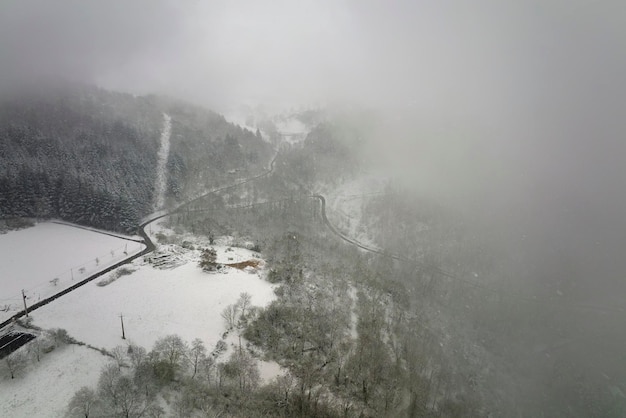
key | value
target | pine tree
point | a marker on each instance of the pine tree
(208, 259)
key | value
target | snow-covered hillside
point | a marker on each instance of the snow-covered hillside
(345, 205)
(164, 152)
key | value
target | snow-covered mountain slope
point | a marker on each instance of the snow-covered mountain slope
(161, 172)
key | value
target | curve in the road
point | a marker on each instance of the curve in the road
(433, 269)
(150, 246)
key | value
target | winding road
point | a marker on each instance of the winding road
(150, 246)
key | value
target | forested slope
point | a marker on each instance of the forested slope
(86, 155)
(354, 329)
(207, 150)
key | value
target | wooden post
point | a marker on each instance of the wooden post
(122, 321)
(24, 299)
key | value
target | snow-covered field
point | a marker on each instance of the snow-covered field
(44, 389)
(154, 303)
(32, 258)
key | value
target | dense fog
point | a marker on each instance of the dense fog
(511, 113)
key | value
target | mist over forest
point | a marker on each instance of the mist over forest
(495, 130)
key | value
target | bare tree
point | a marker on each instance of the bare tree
(35, 346)
(207, 368)
(15, 362)
(120, 396)
(131, 401)
(119, 355)
(169, 354)
(183, 406)
(107, 383)
(244, 302)
(197, 353)
(84, 403)
(242, 369)
(137, 355)
(230, 316)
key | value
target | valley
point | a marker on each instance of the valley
(226, 272)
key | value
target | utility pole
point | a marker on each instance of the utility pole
(24, 299)
(122, 321)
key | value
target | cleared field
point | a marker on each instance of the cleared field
(44, 389)
(154, 303)
(50, 257)
(177, 298)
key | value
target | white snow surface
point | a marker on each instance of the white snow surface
(164, 151)
(155, 303)
(30, 258)
(292, 130)
(44, 389)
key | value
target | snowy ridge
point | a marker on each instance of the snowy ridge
(160, 185)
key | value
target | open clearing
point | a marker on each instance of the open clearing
(32, 258)
(44, 389)
(177, 299)
(154, 303)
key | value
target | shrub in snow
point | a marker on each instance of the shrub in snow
(252, 246)
(220, 347)
(60, 337)
(122, 271)
(161, 238)
(208, 259)
(84, 403)
(38, 346)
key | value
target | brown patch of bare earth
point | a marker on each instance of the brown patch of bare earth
(248, 263)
